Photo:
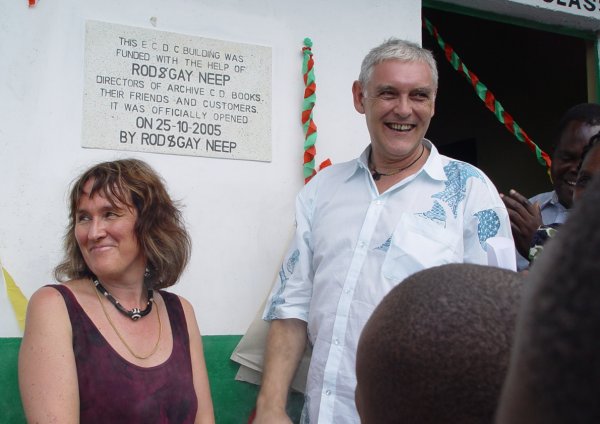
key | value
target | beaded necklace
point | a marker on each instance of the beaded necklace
(134, 313)
(154, 349)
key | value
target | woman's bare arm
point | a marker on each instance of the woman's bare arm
(47, 371)
(205, 413)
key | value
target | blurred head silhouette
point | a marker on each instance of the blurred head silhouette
(437, 347)
(554, 374)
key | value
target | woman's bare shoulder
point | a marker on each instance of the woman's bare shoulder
(48, 300)
(45, 297)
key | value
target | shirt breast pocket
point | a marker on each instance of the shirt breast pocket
(418, 243)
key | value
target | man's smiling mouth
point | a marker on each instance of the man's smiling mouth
(400, 127)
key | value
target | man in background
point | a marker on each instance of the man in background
(574, 131)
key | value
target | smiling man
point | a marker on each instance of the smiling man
(364, 226)
(574, 131)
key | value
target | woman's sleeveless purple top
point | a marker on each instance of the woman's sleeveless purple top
(113, 390)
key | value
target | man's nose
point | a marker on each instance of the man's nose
(403, 107)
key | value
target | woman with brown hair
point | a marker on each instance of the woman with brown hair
(108, 344)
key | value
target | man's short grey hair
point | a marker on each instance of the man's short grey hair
(396, 49)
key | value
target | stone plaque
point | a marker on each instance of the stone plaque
(162, 92)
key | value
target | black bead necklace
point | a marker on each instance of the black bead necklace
(134, 313)
(377, 175)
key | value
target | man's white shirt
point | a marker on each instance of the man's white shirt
(352, 245)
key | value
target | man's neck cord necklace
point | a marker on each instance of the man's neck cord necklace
(377, 175)
(134, 313)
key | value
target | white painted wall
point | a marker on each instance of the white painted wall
(239, 213)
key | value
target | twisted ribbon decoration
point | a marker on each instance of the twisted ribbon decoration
(308, 124)
(488, 97)
(310, 129)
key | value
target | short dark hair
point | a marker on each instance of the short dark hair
(554, 374)
(437, 347)
(588, 113)
(159, 227)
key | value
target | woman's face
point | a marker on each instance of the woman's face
(106, 238)
(589, 168)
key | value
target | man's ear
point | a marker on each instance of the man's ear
(358, 97)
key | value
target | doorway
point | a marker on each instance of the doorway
(536, 75)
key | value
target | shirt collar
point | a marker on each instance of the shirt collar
(432, 167)
(554, 199)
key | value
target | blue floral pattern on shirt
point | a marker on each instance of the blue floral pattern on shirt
(457, 174)
(386, 245)
(292, 261)
(278, 299)
(489, 224)
(436, 213)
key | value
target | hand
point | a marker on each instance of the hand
(525, 218)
